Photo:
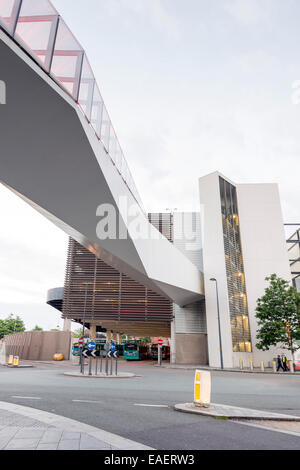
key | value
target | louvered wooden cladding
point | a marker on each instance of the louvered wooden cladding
(163, 222)
(109, 295)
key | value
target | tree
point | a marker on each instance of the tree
(11, 325)
(37, 328)
(278, 315)
(129, 338)
(145, 339)
(77, 333)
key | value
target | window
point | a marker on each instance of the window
(238, 305)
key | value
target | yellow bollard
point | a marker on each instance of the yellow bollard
(262, 366)
(274, 366)
(202, 388)
(241, 364)
(58, 357)
(251, 364)
(10, 359)
(16, 361)
(291, 367)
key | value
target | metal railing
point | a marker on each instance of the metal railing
(39, 29)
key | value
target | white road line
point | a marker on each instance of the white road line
(87, 401)
(267, 428)
(154, 406)
(26, 398)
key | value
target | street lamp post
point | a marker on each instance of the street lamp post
(219, 324)
(84, 312)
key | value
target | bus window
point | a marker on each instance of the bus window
(131, 347)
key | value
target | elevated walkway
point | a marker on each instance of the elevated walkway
(60, 153)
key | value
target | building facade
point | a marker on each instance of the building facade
(243, 243)
(237, 239)
(128, 282)
(100, 296)
(293, 246)
(97, 294)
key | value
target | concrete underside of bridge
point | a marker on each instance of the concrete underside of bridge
(137, 328)
(51, 157)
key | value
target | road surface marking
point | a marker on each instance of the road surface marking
(87, 401)
(155, 406)
(26, 398)
(268, 428)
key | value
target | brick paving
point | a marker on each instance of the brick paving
(23, 428)
(18, 432)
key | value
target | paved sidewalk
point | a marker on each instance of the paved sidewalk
(69, 365)
(24, 428)
(286, 426)
(256, 370)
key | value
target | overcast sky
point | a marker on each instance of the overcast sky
(192, 86)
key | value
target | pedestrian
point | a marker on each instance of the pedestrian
(279, 363)
(284, 362)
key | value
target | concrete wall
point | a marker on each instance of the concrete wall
(38, 345)
(264, 248)
(2, 353)
(214, 267)
(189, 321)
(191, 349)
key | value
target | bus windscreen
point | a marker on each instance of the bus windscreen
(131, 347)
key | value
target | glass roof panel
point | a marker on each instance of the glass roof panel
(67, 59)
(6, 13)
(37, 26)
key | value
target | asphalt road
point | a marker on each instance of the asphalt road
(122, 406)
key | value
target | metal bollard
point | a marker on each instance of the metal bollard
(262, 366)
(106, 364)
(159, 355)
(291, 367)
(90, 365)
(96, 366)
(80, 360)
(241, 364)
(251, 364)
(274, 366)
